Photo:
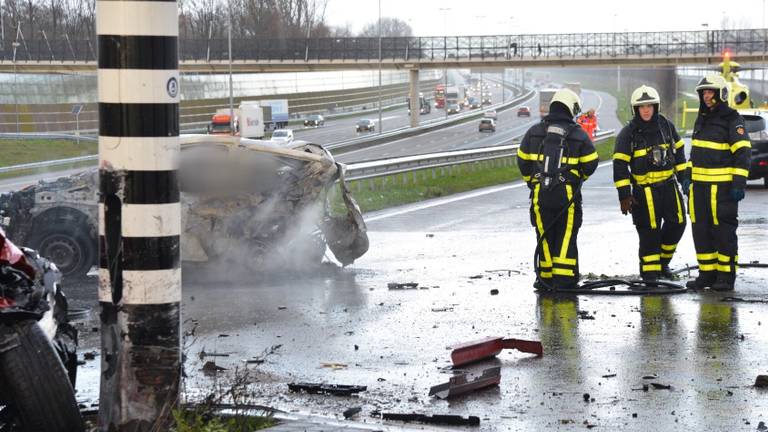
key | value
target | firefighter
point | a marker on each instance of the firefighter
(647, 158)
(588, 122)
(718, 167)
(555, 157)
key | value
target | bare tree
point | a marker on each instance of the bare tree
(390, 27)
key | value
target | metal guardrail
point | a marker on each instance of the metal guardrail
(392, 166)
(458, 48)
(406, 132)
(46, 164)
(48, 136)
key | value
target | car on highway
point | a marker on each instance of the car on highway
(756, 124)
(487, 125)
(315, 120)
(491, 114)
(365, 125)
(282, 136)
(524, 111)
(453, 108)
(474, 103)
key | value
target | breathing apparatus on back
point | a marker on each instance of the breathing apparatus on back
(554, 148)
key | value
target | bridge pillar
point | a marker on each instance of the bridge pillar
(139, 214)
(413, 92)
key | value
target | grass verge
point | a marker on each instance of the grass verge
(384, 192)
(15, 152)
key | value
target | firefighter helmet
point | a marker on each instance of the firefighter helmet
(645, 95)
(568, 98)
(714, 82)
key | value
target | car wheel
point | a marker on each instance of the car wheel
(36, 383)
(72, 251)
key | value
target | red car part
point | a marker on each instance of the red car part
(491, 347)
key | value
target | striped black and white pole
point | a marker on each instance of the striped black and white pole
(139, 221)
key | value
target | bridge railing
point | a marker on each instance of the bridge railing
(426, 49)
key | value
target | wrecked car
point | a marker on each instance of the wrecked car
(245, 204)
(38, 346)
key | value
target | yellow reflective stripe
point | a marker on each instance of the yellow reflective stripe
(569, 225)
(546, 275)
(707, 267)
(691, 210)
(706, 256)
(712, 171)
(563, 272)
(651, 267)
(710, 145)
(723, 258)
(713, 202)
(527, 178)
(651, 209)
(640, 153)
(670, 248)
(652, 177)
(725, 268)
(565, 261)
(740, 144)
(667, 255)
(679, 209)
(588, 158)
(622, 183)
(524, 156)
(540, 227)
(571, 161)
(712, 179)
(681, 167)
(652, 258)
(679, 144)
(740, 171)
(622, 157)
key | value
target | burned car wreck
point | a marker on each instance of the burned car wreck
(245, 204)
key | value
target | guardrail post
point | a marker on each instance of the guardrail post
(434, 174)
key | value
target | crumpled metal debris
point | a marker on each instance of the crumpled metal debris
(245, 202)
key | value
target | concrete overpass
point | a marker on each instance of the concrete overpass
(504, 51)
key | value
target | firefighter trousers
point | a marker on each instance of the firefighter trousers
(659, 217)
(558, 261)
(714, 220)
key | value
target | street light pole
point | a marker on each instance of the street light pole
(445, 69)
(381, 126)
(231, 94)
(15, 100)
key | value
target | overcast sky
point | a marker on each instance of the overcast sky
(488, 17)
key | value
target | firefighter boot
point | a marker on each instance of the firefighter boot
(666, 273)
(705, 280)
(724, 282)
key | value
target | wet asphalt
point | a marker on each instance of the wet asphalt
(344, 326)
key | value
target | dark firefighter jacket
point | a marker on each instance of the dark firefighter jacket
(721, 148)
(581, 158)
(633, 154)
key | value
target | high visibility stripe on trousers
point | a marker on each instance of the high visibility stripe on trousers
(562, 265)
(651, 208)
(140, 212)
(651, 263)
(545, 265)
(668, 251)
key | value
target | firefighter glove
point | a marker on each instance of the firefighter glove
(626, 205)
(737, 194)
(686, 185)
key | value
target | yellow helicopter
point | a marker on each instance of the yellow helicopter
(738, 92)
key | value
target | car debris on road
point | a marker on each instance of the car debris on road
(482, 349)
(330, 389)
(466, 383)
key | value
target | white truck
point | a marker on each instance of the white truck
(251, 120)
(277, 115)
